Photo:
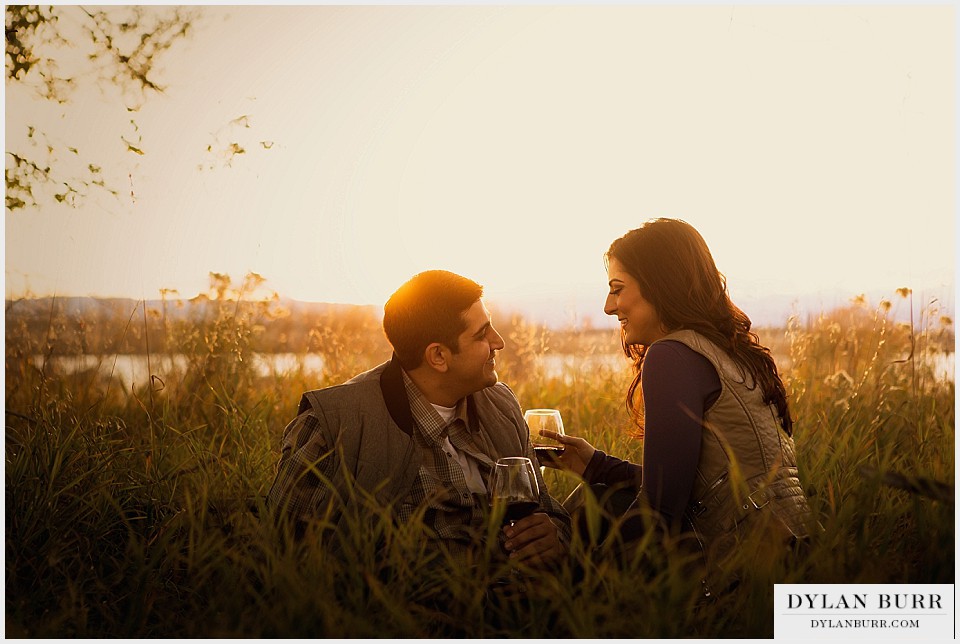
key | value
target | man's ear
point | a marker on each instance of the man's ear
(435, 357)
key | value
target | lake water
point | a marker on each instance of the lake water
(136, 369)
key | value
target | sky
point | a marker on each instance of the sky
(812, 146)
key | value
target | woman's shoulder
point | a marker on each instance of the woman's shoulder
(671, 349)
(692, 342)
(672, 356)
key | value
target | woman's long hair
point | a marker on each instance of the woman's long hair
(677, 275)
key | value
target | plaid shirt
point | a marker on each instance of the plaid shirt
(451, 512)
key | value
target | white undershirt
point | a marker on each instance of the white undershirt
(469, 465)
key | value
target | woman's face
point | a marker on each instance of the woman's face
(638, 318)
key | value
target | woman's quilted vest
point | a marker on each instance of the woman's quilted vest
(747, 473)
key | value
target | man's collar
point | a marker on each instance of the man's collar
(395, 396)
(398, 404)
(413, 391)
(431, 425)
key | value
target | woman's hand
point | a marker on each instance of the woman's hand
(576, 453)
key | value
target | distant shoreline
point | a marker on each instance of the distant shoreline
(561, 312)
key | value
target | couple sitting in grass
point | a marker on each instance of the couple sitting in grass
(421, 433)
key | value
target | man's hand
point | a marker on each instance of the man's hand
(534, 539)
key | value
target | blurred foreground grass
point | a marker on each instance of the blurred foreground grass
(132, 511)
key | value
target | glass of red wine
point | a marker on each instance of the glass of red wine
(513, 489)
(545, 448)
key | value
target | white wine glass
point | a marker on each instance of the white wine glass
(546, 449)
(514, 489)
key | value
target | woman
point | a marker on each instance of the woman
(718, 457)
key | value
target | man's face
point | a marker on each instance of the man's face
(473, 367)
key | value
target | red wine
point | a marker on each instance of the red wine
(517, 510)
(547, 453)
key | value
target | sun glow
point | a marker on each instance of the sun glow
(513, 144)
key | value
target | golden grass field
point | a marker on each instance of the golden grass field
(134, 511)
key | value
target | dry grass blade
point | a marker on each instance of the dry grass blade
(921, 485)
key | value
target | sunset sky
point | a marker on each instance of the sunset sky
(813, 147)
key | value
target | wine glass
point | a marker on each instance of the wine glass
(545, 448)
(513, 487)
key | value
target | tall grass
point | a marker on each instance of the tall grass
(136, 511)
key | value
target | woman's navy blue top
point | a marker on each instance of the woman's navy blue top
(678, 386)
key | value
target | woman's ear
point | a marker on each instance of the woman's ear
(435, 357)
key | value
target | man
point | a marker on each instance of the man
(424, 429)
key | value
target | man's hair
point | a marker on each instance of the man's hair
(428, 308)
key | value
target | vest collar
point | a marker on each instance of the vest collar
(395, 398)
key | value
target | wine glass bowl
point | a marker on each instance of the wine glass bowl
(514, 488)
(545, 448)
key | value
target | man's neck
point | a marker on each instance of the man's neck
(431, 386)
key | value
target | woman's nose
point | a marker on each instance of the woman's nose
(610, 306)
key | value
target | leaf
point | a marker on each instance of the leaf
(131, 147)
